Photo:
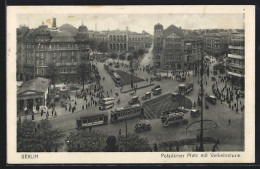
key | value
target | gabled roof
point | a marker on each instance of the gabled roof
(38, 84)
(173, 29)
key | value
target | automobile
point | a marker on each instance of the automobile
(182, 79)
(157, 91)
(242, 93)
(156, 87)
(143, 126)
(147, 96)
(211, 99)
(194, 113)
(64, 103)
(215, 72)
(134, 100)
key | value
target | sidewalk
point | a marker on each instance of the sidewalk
(61, 110)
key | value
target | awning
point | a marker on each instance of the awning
(25, 97)
(236, 74)
(236, 56)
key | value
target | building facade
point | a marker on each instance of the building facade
(192, 52)
(236, 60)
(216, 44)
(65, 47)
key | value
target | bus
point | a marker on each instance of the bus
(173, 118)
(92, 119)
(174, 97)
(106, 103)
(127, 112)
(187, 87)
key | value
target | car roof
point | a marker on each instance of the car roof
(148, 93)
(158, 89)
(212, 96)
(134, 96)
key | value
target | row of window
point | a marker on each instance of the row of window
(173, 39)
(57, 46)
(236, 52)
(117, 38)
(237, 43)
(170, 57)
(136, 39)
(67, 69)
(54, 54)
(173, 46)
(128, 112)
(90, 120)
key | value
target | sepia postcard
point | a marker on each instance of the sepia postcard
(130, 84)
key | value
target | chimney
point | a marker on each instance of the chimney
(54, 22)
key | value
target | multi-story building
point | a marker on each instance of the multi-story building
(192, 52)
(168, 52)
(43, 47)
(65, 46)
(216, 43)
(236, 60)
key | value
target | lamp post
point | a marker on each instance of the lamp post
(201, 148)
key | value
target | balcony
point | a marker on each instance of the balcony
(235, 56)
(236, 47)
(235, 74)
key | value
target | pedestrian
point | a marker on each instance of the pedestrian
(66, 107)
(214, 148)
(55, 114)
(119, 132)
(41, 112)
(82, 107)
(52, 112)
(229, 122)
(75, 103)
(177, 148)
(86, 106)
(232, 107)
(155, 148)
(32, 115)
(47, 114)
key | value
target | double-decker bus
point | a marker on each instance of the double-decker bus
(127, 112)
(92, 119)
(173, 118)
(106, 103)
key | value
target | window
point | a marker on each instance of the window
(54, 61)
(42, 54)
(37, 71)
(42, 72)
(37, 63)
(37, 54)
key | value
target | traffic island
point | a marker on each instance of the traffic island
(154, 107)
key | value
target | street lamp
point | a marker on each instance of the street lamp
(201, 148)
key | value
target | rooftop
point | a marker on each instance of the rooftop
(38, 84)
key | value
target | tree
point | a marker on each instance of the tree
(122, 56)
(102, 47)
(141, 52)
(93, 45)
(131, 49)
(113, 55)
(111, 144)
(134, 143)
(83, 141)
(135, 55)
(129, 57)
(84, 72)
(33, 137)
(52, 73)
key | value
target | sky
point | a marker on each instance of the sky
(136, 22)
